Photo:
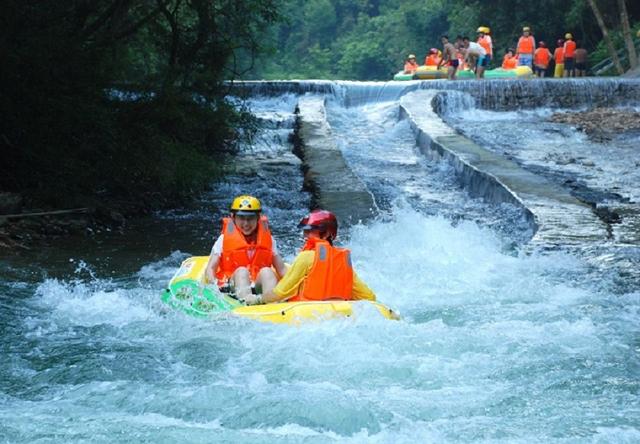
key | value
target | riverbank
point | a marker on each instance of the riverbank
(25, 228)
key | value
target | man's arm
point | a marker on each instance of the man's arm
(210, 270)
(360, 290)
(290, 282)
(214, 260)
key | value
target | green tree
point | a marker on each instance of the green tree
(67, 119)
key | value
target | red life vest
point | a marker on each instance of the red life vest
(432, 60)
(485, 42)
(542, 57)
(509, 62)
(525, 45)
(569, 49)
(410, 67)
(330, 276)
(235, 250)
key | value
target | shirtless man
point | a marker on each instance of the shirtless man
(449, 56)
(580, 57)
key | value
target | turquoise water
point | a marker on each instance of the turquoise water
(494, 346)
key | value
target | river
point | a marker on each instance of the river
(496, 344)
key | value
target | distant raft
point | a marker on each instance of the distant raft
(187, 292)
(433, 73)
(521, 72)
(402, 76)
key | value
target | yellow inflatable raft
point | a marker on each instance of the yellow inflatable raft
(189, 293)
(430, 72)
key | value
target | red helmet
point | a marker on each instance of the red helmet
(321, 220)
(560, 42)
(542, 44)
(433, 51)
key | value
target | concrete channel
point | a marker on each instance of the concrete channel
(327, 176)
(557, 217)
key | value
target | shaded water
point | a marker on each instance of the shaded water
(494, 345)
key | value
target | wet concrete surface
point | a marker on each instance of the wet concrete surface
(334, 185)
(558, 216)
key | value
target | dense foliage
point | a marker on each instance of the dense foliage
(369, 39)
(70, 132)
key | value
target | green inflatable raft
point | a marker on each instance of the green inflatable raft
(431, 73)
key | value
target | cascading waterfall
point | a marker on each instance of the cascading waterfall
(489, 94)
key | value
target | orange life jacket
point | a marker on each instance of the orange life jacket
(569, 49)
(509, 62)
(542, 57)
(432, 60)
(235, 250)
(330, 276)
(485, 42)
(525, 45)
(410, 67)
(558, 55)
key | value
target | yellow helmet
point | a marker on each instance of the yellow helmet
(568, 35)
(245, 205)
(484, 29)
(526, 29)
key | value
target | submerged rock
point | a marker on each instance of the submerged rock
(601, 123)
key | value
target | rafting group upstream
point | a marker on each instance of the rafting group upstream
(466, 59)
(245, 269)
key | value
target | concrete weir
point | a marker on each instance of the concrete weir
(334, 185)
(557, 217)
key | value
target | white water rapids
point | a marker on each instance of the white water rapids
(495, 345)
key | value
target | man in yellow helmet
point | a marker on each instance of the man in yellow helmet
(484, 40)
(245, 253)
(569, 55)
(526, 48)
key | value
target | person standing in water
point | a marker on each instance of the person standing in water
(526, 47)
(475, 55)
(558, 57)
(580, 60)
(484, 40)
(449, 57)
(541, 59)
(569, 54)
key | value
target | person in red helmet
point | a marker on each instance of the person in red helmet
(433, 58)
(321, 271)
(541, 59)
